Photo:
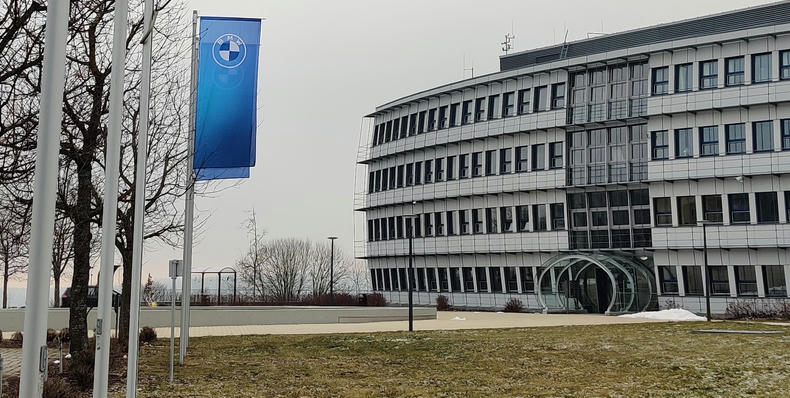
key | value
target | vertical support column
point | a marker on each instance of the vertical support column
(45, 186)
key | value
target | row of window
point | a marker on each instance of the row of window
(734, 73)
(746, 281)
(490, 220)
(615, 154)
(734, 136)
(613, 92)
(468, 165)
(504, 105)
(456, 279)
(712, 211)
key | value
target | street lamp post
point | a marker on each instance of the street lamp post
(705, 263)
(411, 276)
(332, 270)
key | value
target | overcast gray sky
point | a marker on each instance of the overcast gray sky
(325, 64)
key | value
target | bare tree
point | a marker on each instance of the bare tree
(357, 280)
(154, 292)
(252, 262)
(14, 238)
(320, 266)
(62, 251)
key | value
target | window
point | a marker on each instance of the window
(432, 120)
(599, 239)
(493, 106)
(477, 221)
(787, 204)
(557, 216)
(490, 162)
(709, 141)
(491, 220)
(683, 78)
(466, 115)
(763, 135)
(508, 104)
(417, 173)
(443, 117)
(735, 135)
(450, 168)
(426, 218)
(785, 123)
(393, 177)
(774, 281)
(384, 179)
(663, 211)
(711, 208)
(739, 208)
(579, 240)
(421, 126)
(399, 226)
(734, 71)
(404, 124)
(639, 197)
(692, 280)
(438, 222)
(480, 110)
(522, 218)
(767, 207)
(784, 65)
(391, 222)
(463, 166)
(669, 279)
(439, 170)
(511, 283)
(708, 74)
(660, 80)
(463, 221)
(761, 68)
(450, 223)
(395, 128)
(540, 99)
(555, 155)
(454, 114)
(527, 280)
(719, 280)
(482, 278)
(506, 215)
(477, 164)
(539, 214)
(521, 159)
(400, 176)
(599, 218)
(557, 95)
(409, 228)
(428, 171)
(746, 280)
(660, 145)
(469, 282)
(684, 143)
(505, 161)
(417, 227)
(523, 101)
(687, 210)
(538, 157)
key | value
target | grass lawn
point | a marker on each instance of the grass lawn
(656, 359)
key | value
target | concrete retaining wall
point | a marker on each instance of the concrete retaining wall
(13, 319)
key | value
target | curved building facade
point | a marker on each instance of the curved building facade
(593, 176)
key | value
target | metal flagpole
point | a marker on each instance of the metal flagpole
(110, 210)
(139, 202)
(34, 348)
(189, 202)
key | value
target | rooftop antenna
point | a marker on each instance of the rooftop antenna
(471, 69)
(507, 45)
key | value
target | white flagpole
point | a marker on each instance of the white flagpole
(34, 361)
(189, 202)
(110, 210)
(139, 203)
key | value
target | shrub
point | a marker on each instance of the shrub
(59, 388)
(376, 300)
(442, 303)
(64, 335)
(147, 335)
(17, 337)
(514, 305)
(759, 309)
(81, 369)
(52, 334)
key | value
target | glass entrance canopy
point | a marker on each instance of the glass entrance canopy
(607, 283)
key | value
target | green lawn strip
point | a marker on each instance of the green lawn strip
(658, 359)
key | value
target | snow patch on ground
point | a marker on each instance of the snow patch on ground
(675, 314)
(458, 318)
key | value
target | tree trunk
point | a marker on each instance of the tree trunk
(126, 297)
(5, 285)
(78, 311)
(56, 303)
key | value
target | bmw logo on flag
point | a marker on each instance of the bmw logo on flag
(229, 51)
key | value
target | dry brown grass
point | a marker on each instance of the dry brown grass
(656, 359)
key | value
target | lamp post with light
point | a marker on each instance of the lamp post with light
(332, 270)
(705, 224)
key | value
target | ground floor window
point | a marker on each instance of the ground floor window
(669, 280)
(692, 280)
(469, 282)
(511, 282)
(482, 279)
(774, 279)
(455, 279)
(444, 281)
(402, 278)
(527, 280)
(421, 279)
(719, 280)
(496, 280)
(432, 279)
(746, 280)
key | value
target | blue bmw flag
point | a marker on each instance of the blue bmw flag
(225, 119)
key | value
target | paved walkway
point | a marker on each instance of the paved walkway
(444, 321)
